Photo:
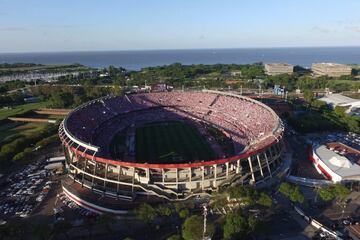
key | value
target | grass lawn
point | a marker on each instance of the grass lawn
(15, 130)
(171, 142)
(20, 109)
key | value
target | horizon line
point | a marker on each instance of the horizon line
(172, 49)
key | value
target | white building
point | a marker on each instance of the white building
(278, 68)
(334, 100)
(331, 69)
(335, 165)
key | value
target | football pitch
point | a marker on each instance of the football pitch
(171, 142)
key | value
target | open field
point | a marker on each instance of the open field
(15, 130)
(171, 142)
(5, 113)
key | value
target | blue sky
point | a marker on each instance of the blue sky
(64, 25)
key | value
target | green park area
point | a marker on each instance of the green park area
(20, 109)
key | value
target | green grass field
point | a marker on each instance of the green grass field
(20, 109)
(14, 130)
(171, 142)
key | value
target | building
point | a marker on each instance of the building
(278, 90)
(235, 73)
(336, 161)
(352, 105)
(101, 182)
(278, 68)
(331, 69)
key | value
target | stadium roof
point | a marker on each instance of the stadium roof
(337, 163)
(338, 99)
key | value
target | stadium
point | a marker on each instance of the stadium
(166, 146)
(336, 161)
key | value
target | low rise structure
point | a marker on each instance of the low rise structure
(278, 68)
(331, 69)
(336, 161)
(353, 105)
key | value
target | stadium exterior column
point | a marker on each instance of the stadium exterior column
(163, 175)
(267, 163)
(238, 166)
(71, 162)
(177, 178)
(190, 179)
(227, 169)
(117, 185)
(215, 175)
(77, 166)
(147, 173)
(251, 169)
(133, 180)
(92, 180)
(271, 154)
(84, 170)
(261, 171)
(202, 177)
(106, 169)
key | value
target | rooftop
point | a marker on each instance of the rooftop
(340, 158)
(331, 64)
(279, 64)
(338, 99)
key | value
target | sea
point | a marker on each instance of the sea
(137, 59)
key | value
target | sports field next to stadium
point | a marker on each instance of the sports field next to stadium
(171, 142)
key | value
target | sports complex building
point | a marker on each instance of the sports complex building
(166, 146)
(336, 161)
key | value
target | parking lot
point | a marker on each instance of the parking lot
(350, 139)
(24, 191)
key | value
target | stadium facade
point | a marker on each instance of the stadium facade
(336, 161)
(103, 183)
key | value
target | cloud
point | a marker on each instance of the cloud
(321, 29)
(202, 37)
(65, 26)
(354, 28)
(13, 29)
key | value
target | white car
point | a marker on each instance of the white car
(324, 234)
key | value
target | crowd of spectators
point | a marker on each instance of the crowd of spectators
(243, 120)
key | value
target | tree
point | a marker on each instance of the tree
(292, 192)
(285, 188)
(235, 226)
(164, 210)
(247, 194)
(308, 95)
(297, 195)
(325, 194)
(41, 231)
(264, 200)
(328, 193)
(106, 220)
(184, 213)
(192, 228)
(61, 100)
(146, 213)
(183, 209)
(254, 223)
(341, 191)
(174, 237)
(62, 227)
(320, 105)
